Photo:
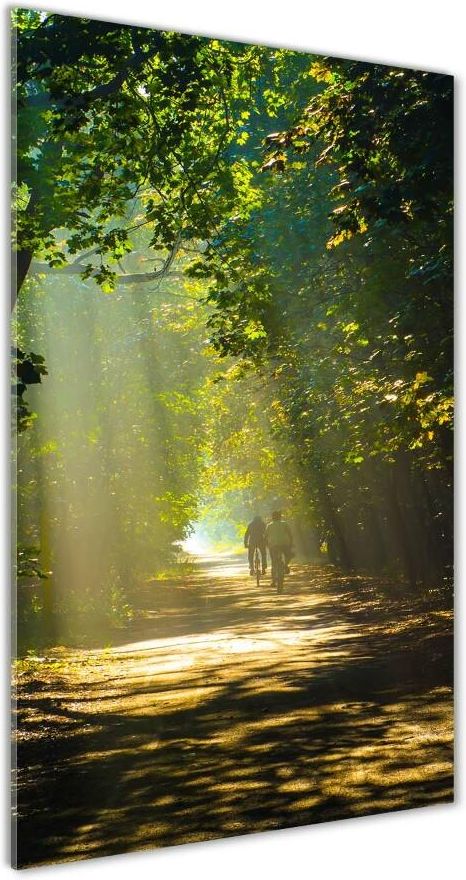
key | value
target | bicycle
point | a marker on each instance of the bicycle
(257, 565)
(278, 568)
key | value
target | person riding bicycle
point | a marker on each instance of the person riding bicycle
(279, 540)
(255, 537)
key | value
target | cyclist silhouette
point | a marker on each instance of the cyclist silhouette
(279, 540)
(255, 537)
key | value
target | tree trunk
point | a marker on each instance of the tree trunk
(343, 552)
(21, 263)
(46, 566)
(400, 530)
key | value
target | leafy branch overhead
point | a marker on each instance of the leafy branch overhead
(388, 133)
(114, 119)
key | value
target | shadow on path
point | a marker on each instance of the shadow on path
(225, 709)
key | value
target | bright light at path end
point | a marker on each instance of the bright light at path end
(196, 544)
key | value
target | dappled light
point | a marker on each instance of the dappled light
(243, 711)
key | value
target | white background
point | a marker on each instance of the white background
(424, 843)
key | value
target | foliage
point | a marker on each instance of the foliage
(28, 562)
(27, 369)
(357, 332)
(109, 113)
(389, 134)
(275, 231)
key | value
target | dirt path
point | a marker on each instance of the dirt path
(223, 709)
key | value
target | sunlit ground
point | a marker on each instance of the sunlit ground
(226, 709)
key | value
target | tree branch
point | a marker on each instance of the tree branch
(136, 60)
(42, 100)
(77, 268)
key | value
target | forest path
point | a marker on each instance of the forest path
(223, 709)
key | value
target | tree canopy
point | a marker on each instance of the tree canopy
(255, 245)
